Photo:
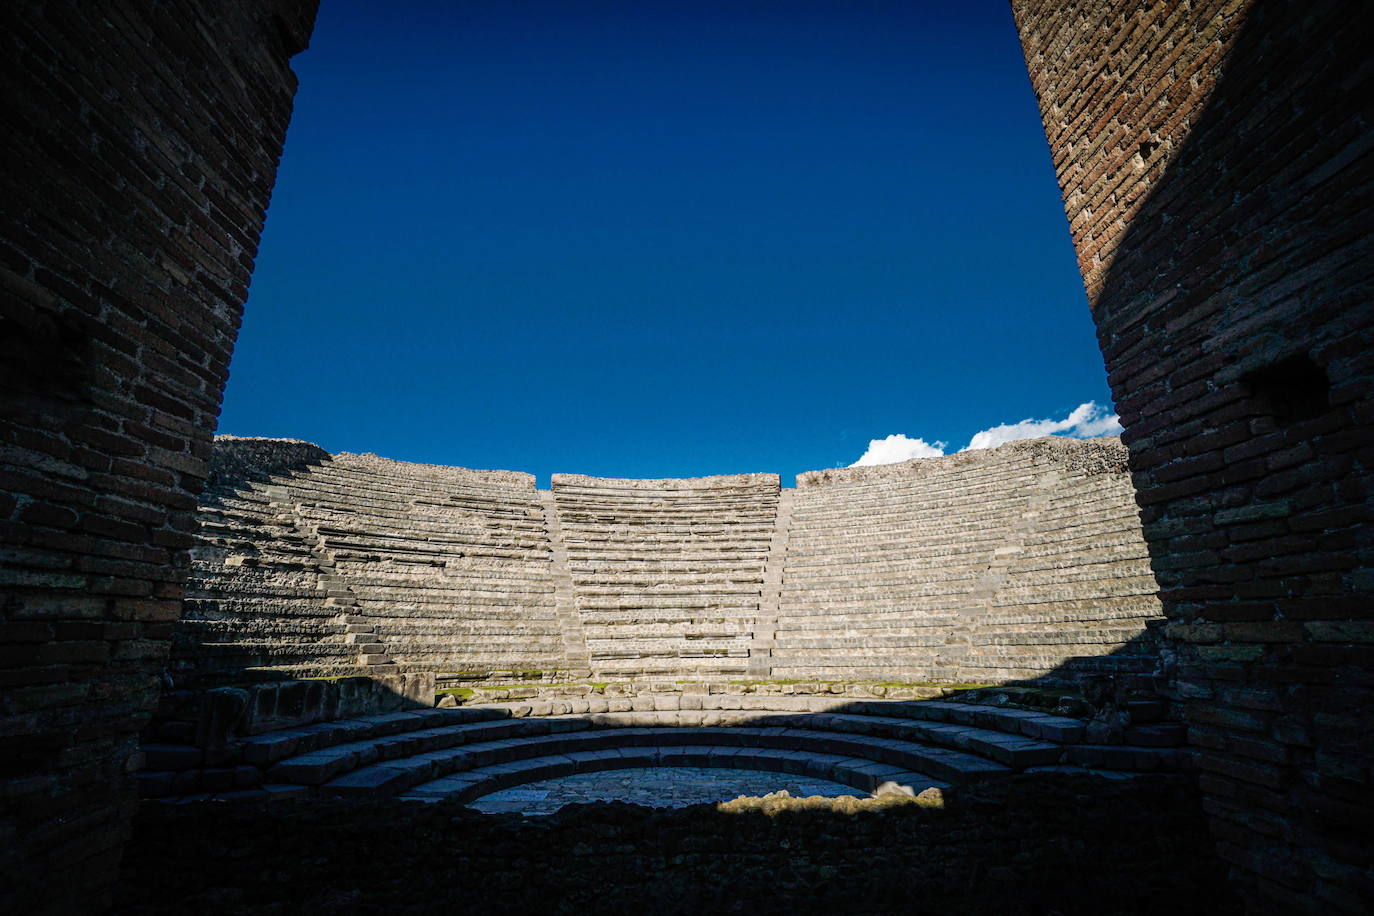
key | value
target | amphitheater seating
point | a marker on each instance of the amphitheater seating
(1079, 594)
(467, 752)
(451, 567)
(255, 597)
(667, 575)
(1015, 563)
(357, 563)
(985, 567)
(884, 564)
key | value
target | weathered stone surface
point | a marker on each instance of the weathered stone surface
(1016, 562)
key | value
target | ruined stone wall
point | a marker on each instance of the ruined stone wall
(1015, 563)
(140, 142)
(1215, 164)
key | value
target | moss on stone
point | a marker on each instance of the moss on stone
(462, 693)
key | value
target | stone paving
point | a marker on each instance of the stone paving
(662, 787)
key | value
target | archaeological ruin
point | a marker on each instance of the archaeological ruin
(227, 628)
(1021, 562)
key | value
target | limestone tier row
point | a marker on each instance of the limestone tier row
(1012, 563)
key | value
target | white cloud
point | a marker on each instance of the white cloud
(1085, 422)
(898, 448)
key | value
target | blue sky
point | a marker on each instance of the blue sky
(661, 239)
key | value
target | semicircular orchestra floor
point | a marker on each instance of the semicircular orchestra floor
(656, 787)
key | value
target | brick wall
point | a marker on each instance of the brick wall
(140, 143)
(1215, 163)
(1216, 172)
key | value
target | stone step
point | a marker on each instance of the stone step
(871, 587)
(708, 601)
(416, 521)
(1060, 640)
(326, 489)
(890, 511)
(862, 774)
(835, 559)
(984, 481)
(586, 549)
(616, 577)
(609, 619)
(667, 565)
(687, 632)
(621, 512)
(895, 531)
(277, 745)
(904, 756)
(723, 523)
(1030, 723)
(915, 597)
(419, 633)
(880, 622)
(518, 596)
(670, 666)
(886, 640)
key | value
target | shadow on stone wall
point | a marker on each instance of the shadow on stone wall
(1239, 341)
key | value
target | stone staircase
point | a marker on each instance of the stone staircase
(452, 566)
(1079, 593)
(356, 563)
(257, 597)
(467, 752)
(667, 575)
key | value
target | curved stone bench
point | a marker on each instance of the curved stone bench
(494, 764)
(490, 745)
(859, 773)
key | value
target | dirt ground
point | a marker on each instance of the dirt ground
(1032, 845)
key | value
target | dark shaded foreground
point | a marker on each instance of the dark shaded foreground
(1036, 844)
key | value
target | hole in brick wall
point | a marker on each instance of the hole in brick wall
(1147, 148)
(1294, 388)
(42, 356)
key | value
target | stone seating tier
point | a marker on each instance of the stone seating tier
(1013, 562)
(666, 576)
(379, 541)
(466, 752)
(832, 508)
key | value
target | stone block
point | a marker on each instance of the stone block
(174, 757)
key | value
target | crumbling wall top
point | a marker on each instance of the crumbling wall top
(1105, 455)
(455, 475)
(240, 457)
(719, 482)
